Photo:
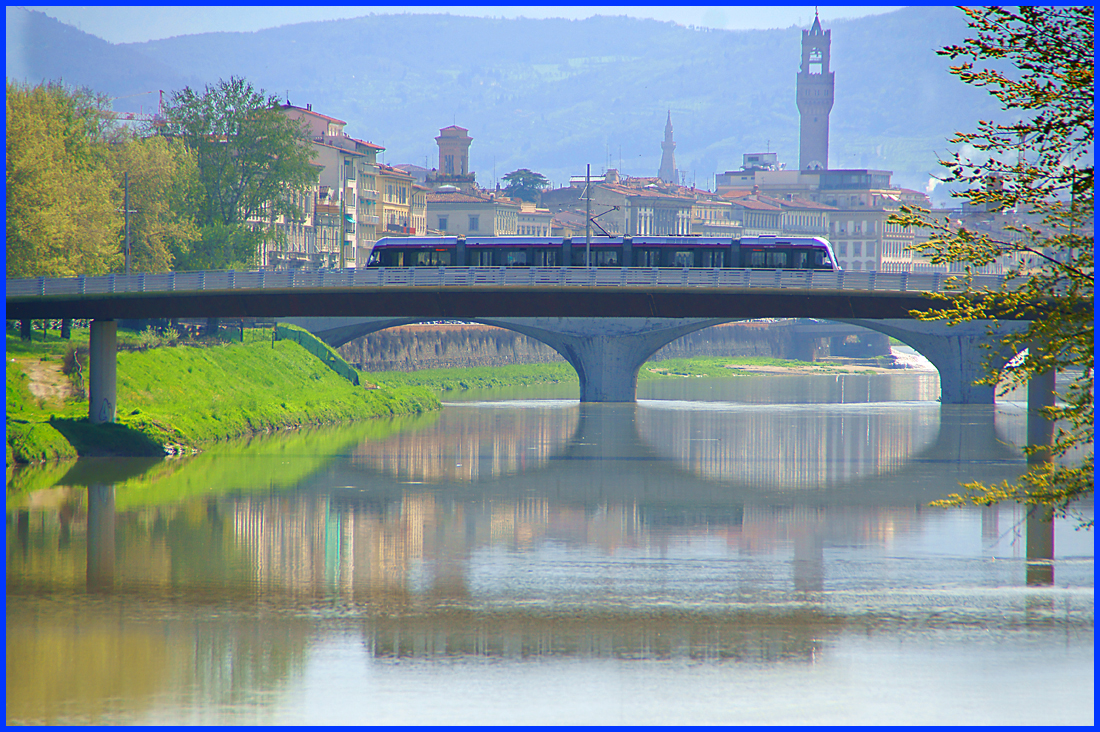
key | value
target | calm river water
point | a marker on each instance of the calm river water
(742, 551)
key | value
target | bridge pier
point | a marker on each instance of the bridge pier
(957, 351)
(103, 363)
(606, 352)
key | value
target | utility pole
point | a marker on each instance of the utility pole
(588, 215)
(126, 205)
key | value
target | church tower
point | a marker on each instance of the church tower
(815, 99)
(668, 172)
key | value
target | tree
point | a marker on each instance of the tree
(525, 184)
(248, 155)
(1038, 62)
(163, 184)
(62, 220)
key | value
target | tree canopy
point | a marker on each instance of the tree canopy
(61, 214)
(1038, 63)
(525, 184)
(163, 183)
(248, 155)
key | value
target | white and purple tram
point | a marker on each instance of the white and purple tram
(751, 252)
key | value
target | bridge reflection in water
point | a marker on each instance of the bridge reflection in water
(566, 530)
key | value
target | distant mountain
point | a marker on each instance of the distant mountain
(552, 95)
(40, 48)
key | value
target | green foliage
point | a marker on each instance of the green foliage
(248, 153)
(163, 184)
(525, 184)
(480, 377)
(1040, 165)
(712, 366)
(61, 215)
(194, 396)
(222, 246)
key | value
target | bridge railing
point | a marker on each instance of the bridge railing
(493, 276)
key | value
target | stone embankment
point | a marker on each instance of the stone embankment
(427, 346)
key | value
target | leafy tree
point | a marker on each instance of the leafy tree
(525, 184)
(1041, 165)
(248, 155)
(61, 216)
(163, 185)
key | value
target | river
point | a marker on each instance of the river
(753, 550)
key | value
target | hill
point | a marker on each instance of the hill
(552, 95)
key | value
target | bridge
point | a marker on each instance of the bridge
(604, 321)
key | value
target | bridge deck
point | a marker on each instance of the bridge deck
(455, 292)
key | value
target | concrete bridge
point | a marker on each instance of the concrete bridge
(604, 321)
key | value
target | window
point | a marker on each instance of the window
(442, 223)
(449, 164)
(870, 249)
(474, 223)
(842, 249)
(857, 249)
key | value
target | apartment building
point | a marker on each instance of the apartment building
(453, 212)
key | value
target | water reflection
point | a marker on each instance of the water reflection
(499, 533)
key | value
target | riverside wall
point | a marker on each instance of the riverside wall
(425, 346)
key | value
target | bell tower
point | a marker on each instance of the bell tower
(815, 99)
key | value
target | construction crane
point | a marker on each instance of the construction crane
(157, 119)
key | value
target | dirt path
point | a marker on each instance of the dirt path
(45, 380)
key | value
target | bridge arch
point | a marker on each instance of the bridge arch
(607, 353)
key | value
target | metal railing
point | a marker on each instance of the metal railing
(495, 276)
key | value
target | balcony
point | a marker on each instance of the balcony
(368, 219)
(368, 194)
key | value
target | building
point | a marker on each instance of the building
(815, 99)
(453, 212)
(348, 176)
(668, 172)
(395, 201)
(533, 221)
(715, 216)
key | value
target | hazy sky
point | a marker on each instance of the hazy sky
(128, 24)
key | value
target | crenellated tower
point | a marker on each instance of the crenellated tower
(815, 99)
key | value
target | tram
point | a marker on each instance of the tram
(751, 252)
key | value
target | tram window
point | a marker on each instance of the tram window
(752, 258)
(777, 260)
(433, 259)
(801, 260)
(391, 259)
(647, 257)
(710, 258)
(606, 258)
(546, 257)
(683, 259)
(515, 258)
(480, 258)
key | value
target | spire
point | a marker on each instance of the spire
(668, 172)
(815, 29)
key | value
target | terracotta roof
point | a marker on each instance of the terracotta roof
(341, 149)
(389, 170)
(315, 114)
(795, 203)
(753, 205)
(641, 192)
(364, 142)
(456, 197)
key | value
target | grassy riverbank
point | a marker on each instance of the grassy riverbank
(185, 396)
(444, 380)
